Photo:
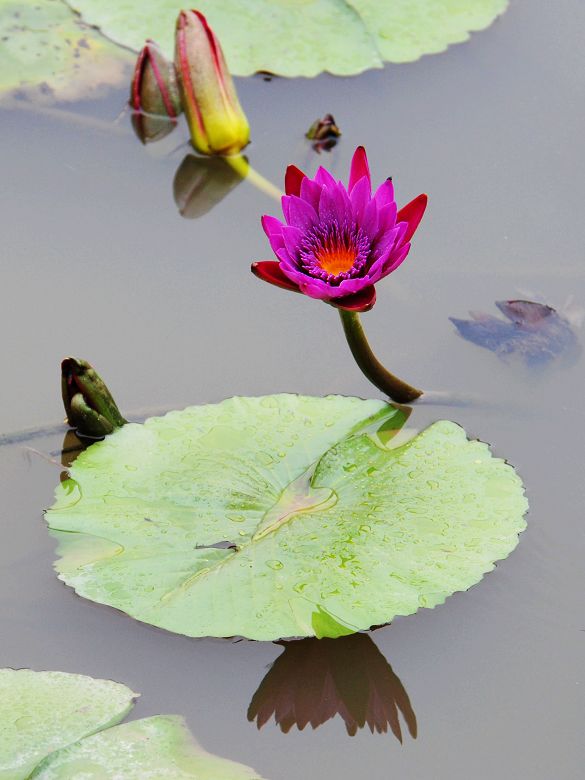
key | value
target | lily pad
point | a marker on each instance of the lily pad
(44, 711)
(342, 37)
(282, 516)
(48, 53)
(156, 747)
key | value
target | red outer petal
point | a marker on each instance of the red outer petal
(137, 78)
(292, 180)
(359, 168)
(269, 271)
(412, 213)
(359, 301)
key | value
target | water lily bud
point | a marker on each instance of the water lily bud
(89, 405)
(154, 87)
(202, 182)
(216, 120)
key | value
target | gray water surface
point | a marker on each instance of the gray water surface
(97, 262)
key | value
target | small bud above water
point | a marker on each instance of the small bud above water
(89, 405)
(154, 88)
(324, 133)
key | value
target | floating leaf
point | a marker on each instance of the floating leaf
(304, 37)
(282, 516)
(156, 747)
(44, 711)
(48, 53)
(534, 332)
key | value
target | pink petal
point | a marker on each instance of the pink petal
(384, 193)
(271, 225)
(359, 301)
(360, 197)
(359, 169)
(311, 192)
(269, 271)
(412, 213)
(324, 178)
(301, 214)
(292, 180)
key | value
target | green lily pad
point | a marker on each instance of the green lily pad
(282, 516)
(158, 747)
(303, 37)
(47, 52)
(45, 711)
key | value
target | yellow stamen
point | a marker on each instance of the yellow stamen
(336, 261)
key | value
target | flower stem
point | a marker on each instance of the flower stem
(391, 385)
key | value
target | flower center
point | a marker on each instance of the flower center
(336, 259)
(334, 252)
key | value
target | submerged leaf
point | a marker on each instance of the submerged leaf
(44, 711)
(343, 37)
(155, 748)
(533, 332)
(47, 53)
(334, 526)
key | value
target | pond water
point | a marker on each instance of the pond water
(98, 263)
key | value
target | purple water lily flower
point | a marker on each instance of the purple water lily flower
(337, 242)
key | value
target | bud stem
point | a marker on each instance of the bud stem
(370, 366)
(241, 166)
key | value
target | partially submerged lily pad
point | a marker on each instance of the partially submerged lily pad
(44, 711)
(156, 747)
(66, 51)
(282, 516)
(343, 37)
(47, 52)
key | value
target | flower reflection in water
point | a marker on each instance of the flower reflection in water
(315, 679)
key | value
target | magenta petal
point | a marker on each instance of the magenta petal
(293, 178)
(311, 192)
(384, 193)
(360, 197)
(269, 271)
(359, 301)
(301, 214)
(412, 213)
(332, 206)
(324, 178)
(359, 169)
(292, 238)
(271, 225)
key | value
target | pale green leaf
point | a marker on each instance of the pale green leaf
(335, 526)
(149, 749)
(303, 37)
(44, 711)
(46, 52)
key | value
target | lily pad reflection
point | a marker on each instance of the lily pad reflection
(315, 679)
(332, 522)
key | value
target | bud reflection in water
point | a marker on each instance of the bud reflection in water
(202, 182)
(315, 679)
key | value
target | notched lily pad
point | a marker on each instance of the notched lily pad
(44, 711)
(343, 37)
(333, 525)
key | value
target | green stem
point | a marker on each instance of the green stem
(391, 385)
